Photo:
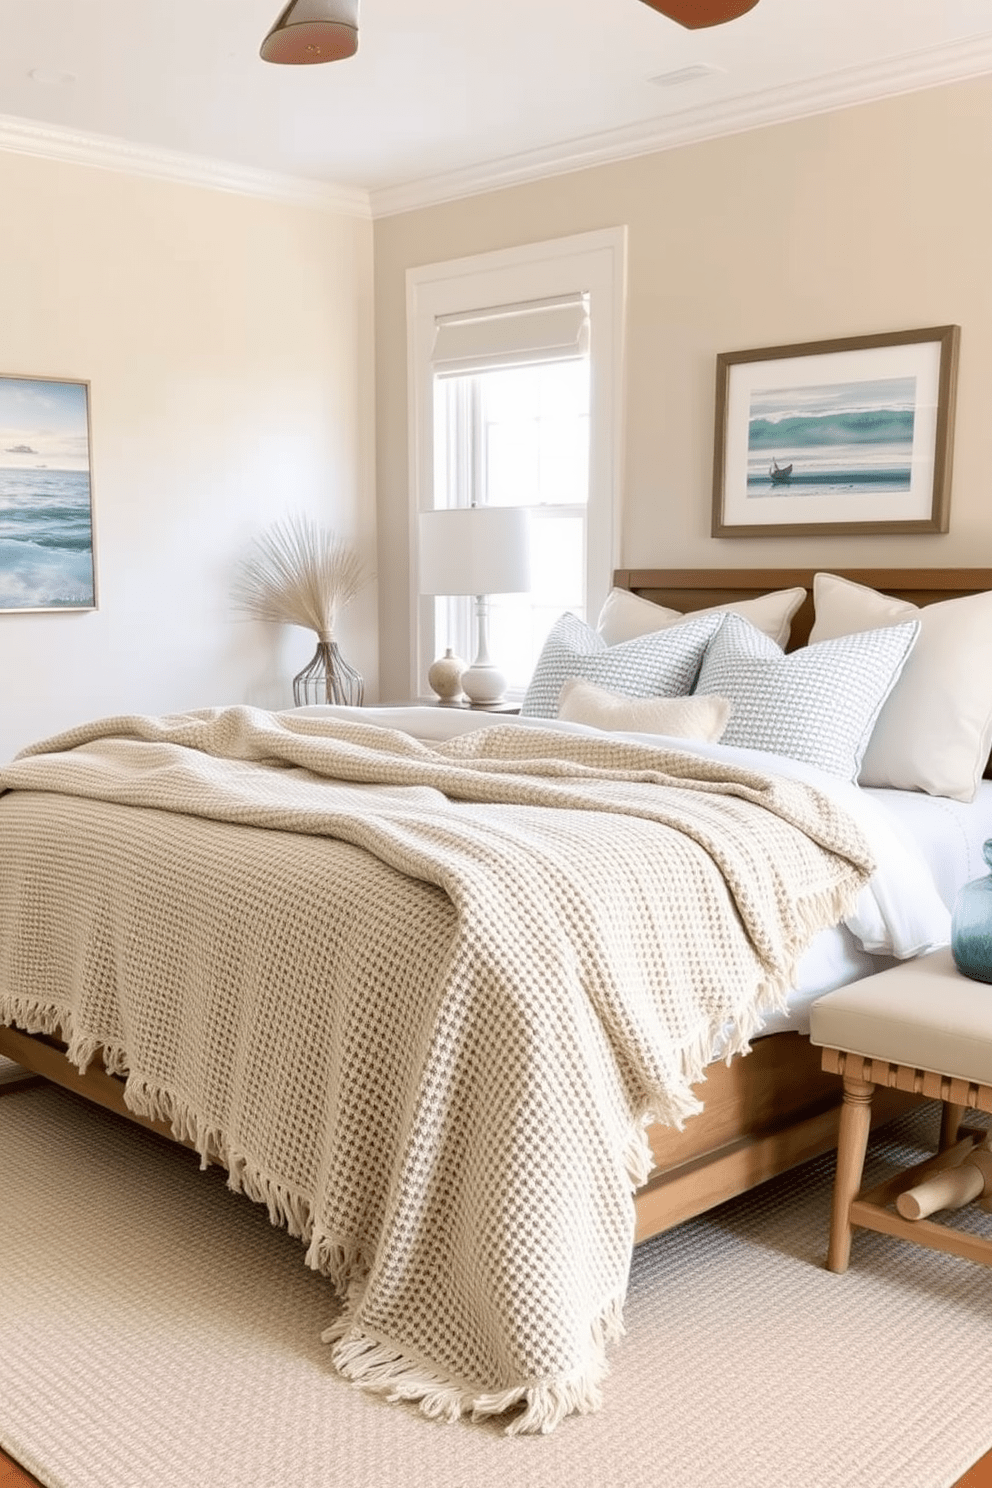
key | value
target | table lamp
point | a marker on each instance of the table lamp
(479, 550)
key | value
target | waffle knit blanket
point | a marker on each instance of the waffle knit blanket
(421, 1000)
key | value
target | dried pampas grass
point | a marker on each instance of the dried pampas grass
(300, 574)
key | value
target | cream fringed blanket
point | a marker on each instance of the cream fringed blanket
(422, 1016)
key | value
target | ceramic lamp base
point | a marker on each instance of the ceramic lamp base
(483, 683)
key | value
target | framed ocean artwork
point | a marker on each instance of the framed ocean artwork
(846, 436)
(46, 499)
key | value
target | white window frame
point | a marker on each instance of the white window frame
(593, 263)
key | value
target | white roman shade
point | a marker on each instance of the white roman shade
(555, 330)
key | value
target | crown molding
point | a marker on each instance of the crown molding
(907, 73)
(910, 72)
(49, 142)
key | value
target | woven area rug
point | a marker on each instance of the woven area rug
(157, 1332)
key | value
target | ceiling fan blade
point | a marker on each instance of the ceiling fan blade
(698, 13)
(313, 31)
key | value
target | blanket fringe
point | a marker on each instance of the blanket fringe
(673, 1106)
(286, 1207)
(342, 1263)
(384, 1369)
(36, 1016)
(33, 1014)
(346, 1265)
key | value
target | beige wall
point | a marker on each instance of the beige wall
(228, 346)
(871, 219)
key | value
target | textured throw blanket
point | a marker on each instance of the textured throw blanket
(420, 1000)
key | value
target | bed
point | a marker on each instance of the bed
(762, 1113)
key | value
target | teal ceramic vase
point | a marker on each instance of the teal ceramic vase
(971, 925)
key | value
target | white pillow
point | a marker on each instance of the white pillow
(664, 664)
(818, 704)
(935, 731)
(626, 615)
(677, 717)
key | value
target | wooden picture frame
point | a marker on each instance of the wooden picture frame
(829, 437)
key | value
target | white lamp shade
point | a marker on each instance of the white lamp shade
(475, 550)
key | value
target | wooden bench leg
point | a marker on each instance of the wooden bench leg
(951, 1117)
(855, 1122)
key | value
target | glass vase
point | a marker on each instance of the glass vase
(328, 678)
(971, 925)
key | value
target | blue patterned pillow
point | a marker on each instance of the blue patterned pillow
(818, 704)
(662, 664)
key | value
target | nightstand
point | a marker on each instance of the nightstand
(466, 706)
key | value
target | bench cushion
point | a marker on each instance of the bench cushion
(922, 1013)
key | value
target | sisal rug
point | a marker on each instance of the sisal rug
(157, 1332)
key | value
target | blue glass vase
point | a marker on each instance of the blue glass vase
(971, 925)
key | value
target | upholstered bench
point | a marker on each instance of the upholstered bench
(921, 1027)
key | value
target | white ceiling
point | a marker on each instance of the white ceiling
(447, 96)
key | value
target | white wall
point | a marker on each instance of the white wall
(869, 219)
(228, 345)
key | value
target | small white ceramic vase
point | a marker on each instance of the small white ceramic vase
(445, 676)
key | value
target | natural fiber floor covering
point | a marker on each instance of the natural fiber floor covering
(157, 1332)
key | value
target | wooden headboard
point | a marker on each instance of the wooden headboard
(698, 588)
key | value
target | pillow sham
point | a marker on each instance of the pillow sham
(818, 704)
(626, 615)
(935, 731)
(664, 664)
(678, 717)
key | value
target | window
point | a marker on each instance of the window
(516, 403)
(511, 428)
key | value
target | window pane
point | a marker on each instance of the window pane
(519, 623)
(564, 460)
(535, 433)
(557, 555)
(518, 436)
(513, 463)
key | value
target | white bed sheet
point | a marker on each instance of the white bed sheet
(926, 848)
(949, 835)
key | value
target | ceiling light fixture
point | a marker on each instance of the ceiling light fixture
(313, 31)
(695, 14)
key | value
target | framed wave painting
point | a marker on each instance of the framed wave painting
(46, 504)
(846, 436)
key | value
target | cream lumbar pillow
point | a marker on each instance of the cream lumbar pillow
(935, 729)
(626, 615)
(677, 717)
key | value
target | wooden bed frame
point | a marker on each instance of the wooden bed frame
(763, 1113)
